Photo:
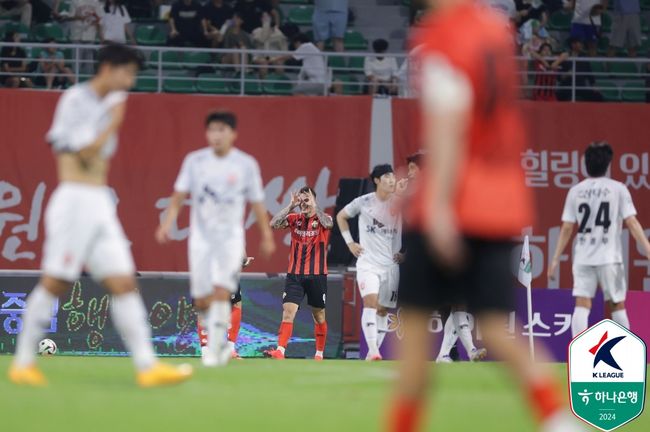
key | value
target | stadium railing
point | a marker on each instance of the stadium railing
(196, 70)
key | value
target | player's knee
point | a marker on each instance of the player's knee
(288, 312)
(382, 311)
(221, 294)
(370, 301)
(120, 285)
(56, 287)
(202, 303)
(584, 302)
(616, 306)
(319, 315)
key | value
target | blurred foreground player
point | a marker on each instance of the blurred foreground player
(307, 274)
(220, 179)
(81, 224)
(470, 201)
(599, 205)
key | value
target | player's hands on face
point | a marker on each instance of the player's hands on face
(311, 200)
(398, 258)
(162, 234)
(444, 238)
(552, 269)
(400, 186)
(267, 247)
(295, 199)
(356, 249)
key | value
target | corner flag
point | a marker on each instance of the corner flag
(526, 277)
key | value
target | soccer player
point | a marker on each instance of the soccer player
(599, 205)
(81, 224)
(470, 201)
(220, 179)
(235, 320)
(378, 253)
(307, 274)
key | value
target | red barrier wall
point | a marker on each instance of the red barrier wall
(558, 134)
(296, 140)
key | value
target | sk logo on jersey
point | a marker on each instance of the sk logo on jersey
(314, 224)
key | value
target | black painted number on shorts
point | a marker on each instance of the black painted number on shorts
(602, 217)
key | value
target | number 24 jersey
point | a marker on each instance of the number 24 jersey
(598, 206)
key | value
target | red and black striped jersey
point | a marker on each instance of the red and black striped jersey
(309, 241)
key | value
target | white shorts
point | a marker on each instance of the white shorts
(213, 264)
(82, 231)
(610, 277)
(383, 282)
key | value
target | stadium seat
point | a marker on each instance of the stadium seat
(560, 21)
(171, 60)
(197, 59)
(277, 84)
(353, 40)
(45, 31)
(609, 90)
(598, 67)
(179, 83)
(606, 20)
(336, 62)
(356, 65)
(603, 45)
(212, 83)
(150, 35)
(301, 15)
(623, 70)
(634, 91)
(16, 27)
(147, 82)
(252, 85)
(350, 84)
(644, 25)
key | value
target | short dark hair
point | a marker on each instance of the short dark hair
(380, 45)
(598, 156)
(379, 170)
(416, 158)
(307, 189)
(115, 54)
(545, 45)
(300, 37)
(225, 117)
(9, 36)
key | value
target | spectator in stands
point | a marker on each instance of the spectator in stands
(185, 23)
(251, 12)
(115, 23)
(546, 69)
(143, 8)
(17, 8)
(586, 23)
(15, 63)
(83, 16)
(626, 27)
(269, 37)
(330, 20)
(312, 77)
(533, 36)
(52, 65)
(584, 78)
(215, 14)
(381, 71)
(531, 10)
(235, 37)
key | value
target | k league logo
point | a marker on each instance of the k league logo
(607, 375)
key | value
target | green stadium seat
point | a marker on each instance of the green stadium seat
(252, 85)
(634, 91)
(336, 62)
(280, 87)
(353, 40)
(623, 70)
(45, 31)
(350, 84)
(644, 25)
(150, 35)
(171, 60)
(197, 59)
(179, 83)
(560, 21)
(609, 90)
(301, 15)
(213, 83)
(147, 82)
(356, 65)
(16, 27)
(606, 20)
(598, 68)
(603, 45)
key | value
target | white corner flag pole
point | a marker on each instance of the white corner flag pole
(526, 278)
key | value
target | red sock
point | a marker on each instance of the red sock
(320, 332)
(203, 335)
(286, 328)
(545, 399)
(405, 415)
(235, 323)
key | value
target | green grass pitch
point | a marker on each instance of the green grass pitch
(98, 394)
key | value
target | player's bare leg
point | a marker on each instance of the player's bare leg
(130, 319)
(382, 324)
(369, 326)
(535, 379)
(214, 313)
(320, 331)
(580, 317)
(37, 315)
(406, 410)
(289, 311)
(619, 314)
(233, 330)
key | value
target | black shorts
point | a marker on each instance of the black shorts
(314, 287)
(483, 283)
(236, 298)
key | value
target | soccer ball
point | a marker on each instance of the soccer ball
(47, 347)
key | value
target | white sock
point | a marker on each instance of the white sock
(449, 338)
(382, 329)
(36, 317)
(369, 327)
(130, 319)
(217, 320)
(461, 321)
(620, 316)
(281, 349)
(231, 346)
(579, 320)
(318, 354)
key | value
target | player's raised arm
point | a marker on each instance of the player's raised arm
(175, 205)
(342, 219)
(280, 221)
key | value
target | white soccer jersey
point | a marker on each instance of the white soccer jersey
(220, 188)
(380, 230)
(599, 206)
(80, 117)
